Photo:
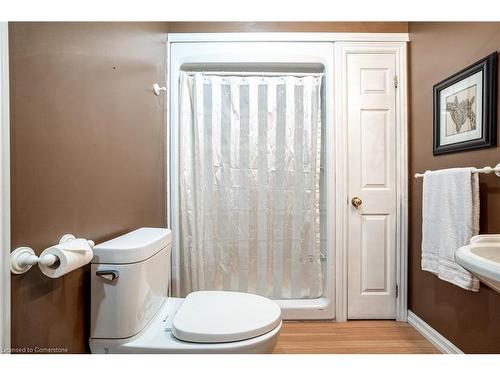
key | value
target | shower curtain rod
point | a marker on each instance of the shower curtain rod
(267, 74)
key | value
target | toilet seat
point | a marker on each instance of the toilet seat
(219, 317)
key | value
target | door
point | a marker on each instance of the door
(371, 142)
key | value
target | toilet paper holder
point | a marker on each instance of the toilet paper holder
(23, 258)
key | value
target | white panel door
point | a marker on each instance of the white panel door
(371, 178)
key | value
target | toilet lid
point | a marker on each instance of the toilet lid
(216, 317)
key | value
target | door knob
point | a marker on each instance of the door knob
(356, 202)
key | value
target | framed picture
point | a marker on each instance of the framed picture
(465, 108)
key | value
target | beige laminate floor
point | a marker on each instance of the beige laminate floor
(362, 336)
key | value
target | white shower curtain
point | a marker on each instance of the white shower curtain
(249, 170)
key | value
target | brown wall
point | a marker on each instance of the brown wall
(437, 50)
(87, 144)
(219, 27)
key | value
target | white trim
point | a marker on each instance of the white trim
(167, 135)
(439, 341)
(167, 153)
(341, 188)
(4, 191)
(341, 52)
(402, 186)
(287, 37)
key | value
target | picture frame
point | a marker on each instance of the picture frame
(465, 108)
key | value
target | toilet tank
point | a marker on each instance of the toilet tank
(130, 276)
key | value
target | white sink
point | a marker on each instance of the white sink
(482, 258)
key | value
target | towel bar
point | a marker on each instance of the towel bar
(475, 170)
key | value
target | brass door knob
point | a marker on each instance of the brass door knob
(356, 202)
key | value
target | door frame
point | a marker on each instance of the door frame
(342, 50)
(4, 191)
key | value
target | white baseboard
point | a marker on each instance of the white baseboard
(436, 339)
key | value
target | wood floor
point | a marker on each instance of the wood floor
(366, 336)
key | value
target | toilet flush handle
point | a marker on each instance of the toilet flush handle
(108, 274)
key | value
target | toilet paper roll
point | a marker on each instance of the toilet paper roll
(72, 255)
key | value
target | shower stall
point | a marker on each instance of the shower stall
(254, 161)
(249, 173)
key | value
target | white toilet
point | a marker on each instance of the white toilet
(131, 312)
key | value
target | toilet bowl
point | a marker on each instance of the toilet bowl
(131, 312)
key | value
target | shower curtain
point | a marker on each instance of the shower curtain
(249, 170)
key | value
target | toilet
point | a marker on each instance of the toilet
(131, 311)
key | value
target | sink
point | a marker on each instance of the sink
(482, 258)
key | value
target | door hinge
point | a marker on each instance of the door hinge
(397, 290)
(396, 82)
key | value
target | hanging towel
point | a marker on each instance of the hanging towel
(450, 211)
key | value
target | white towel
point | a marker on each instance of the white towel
(450, 211)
